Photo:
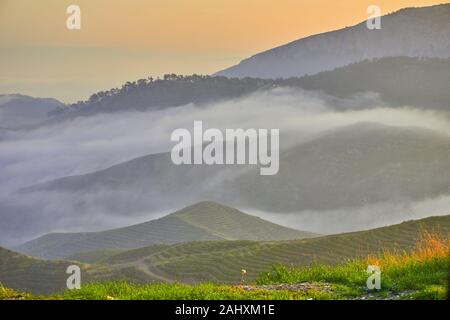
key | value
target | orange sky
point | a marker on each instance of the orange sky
(124, 40)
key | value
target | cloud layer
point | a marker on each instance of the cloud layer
(88, 144)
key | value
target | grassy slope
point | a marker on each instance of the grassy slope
(221, 261)
(26, 273)
(30, 274)
(200, 222)
(95, 256)
(421, 274)
(231, 224)
(128, 291)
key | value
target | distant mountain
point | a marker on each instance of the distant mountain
(399, 81)
(200, 222)
(170, 91)
(413, 32)
(351, 167)
(354, 166)
(18, 110)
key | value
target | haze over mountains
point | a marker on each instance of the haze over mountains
(363, 144)
(396, 81)
(393, 81)
(326, 178)
(18, 110)
(356, 165)
(413, 32)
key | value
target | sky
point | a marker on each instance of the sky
(123, 41)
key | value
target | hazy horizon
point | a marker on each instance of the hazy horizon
(121, 42)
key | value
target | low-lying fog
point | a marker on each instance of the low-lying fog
(87, 144)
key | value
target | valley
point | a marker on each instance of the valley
(140, 184)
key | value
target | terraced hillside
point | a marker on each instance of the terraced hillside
(25, 273)
(221, 261)
(200, 222)
(218, 261)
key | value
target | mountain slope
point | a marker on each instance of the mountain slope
(221, 261)
(367, 155)
(354, 166)
(28, 274)
(171, 91)
(399, 82)
(414, 32)
(200, 222)
(351, 167)
(25, 273)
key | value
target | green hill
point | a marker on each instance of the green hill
(218, 261)
(200, 222)
(221, 261)
(95, 256)
(29, 274)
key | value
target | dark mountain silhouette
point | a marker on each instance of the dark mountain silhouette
(399, 81)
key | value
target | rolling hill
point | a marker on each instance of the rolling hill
(221, 261)
(199, 222)
(218, 261)
(29, 274)
(413, 32)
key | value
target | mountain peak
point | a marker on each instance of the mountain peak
(412, 32)
(203, 221)
(204, 206)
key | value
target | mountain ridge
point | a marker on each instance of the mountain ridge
(400, 81)
(199, 222)
(401, 35)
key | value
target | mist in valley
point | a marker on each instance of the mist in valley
(85, 145)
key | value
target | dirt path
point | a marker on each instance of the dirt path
(142, 266)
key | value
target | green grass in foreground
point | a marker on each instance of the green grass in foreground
(417, 280)
(419, 274)
(424, 279)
